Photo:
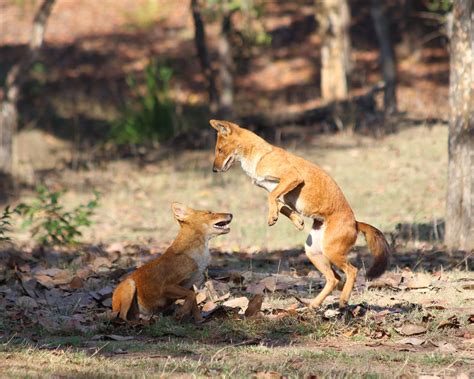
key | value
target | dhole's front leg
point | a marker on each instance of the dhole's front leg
(294, 217)
(286, 185)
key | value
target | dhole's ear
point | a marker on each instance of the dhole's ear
(223, 127)
(181, 212)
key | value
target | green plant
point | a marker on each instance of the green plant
(439, 5)
(5, 224)
(50, 223)
(151, 117)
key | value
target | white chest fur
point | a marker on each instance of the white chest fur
(202, 258)
(250, 168)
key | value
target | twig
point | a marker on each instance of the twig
(304, 302)
(99, 349)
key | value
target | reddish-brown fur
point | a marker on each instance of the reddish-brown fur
(300, 188)
(156, 285)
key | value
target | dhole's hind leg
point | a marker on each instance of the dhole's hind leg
(313, 249)
(295, 218)
(338, 240)
(190, 304)
(124, 300)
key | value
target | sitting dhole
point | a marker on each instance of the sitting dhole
(300, 188)
(156, 285)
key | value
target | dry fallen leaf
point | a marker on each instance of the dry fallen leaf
(115, 247)
(76, 283)
(379, 333)
(216, 289)
(412, 341)
(269, 283)
(29, 285)
(330, 313)
(45, 281)
(209, 307)
(52, 277)
(447, 348)
(254, 305)
(105, 292)
(388, 280)
(101, 264)
(419, 280)
(351, 332)
(26, 302)
(451, 322)
(411, 329)
(268, 375)
(255, 288)
(238, 302)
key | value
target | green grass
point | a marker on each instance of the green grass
(188, 358)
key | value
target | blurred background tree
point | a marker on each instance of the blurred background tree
(334, 21)
(460, 195)
(16, 76)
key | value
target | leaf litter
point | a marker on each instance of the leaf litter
(75, 297)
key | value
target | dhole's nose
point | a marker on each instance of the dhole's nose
(214, 169)
(230, 215)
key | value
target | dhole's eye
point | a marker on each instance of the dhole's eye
(219, 150)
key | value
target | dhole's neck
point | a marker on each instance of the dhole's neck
(189, 238)
(251, 151)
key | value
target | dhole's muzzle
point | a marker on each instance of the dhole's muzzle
(222, 167)
(222, 226)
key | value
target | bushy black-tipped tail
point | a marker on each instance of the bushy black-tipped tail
(379, 248)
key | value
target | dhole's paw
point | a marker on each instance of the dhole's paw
(198, 319)
(298, 222)
(272, 219)
(182, 315)
(314, 304)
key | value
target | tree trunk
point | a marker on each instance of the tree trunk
(334, 21)
(387, 56)
(201, 47)
(14, 80)
(460, 196)
(226, 66)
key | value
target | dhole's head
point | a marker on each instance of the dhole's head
(209, 224)
(227, 144)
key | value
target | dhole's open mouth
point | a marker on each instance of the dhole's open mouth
(228, 163)
(223, 226)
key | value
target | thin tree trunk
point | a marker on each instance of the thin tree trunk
(201, 47)
(14, 80)
(346, 36)
(334, 20)
(460, 195)
(387, 56)
(226, 66)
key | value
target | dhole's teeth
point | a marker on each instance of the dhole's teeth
(222, 225)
